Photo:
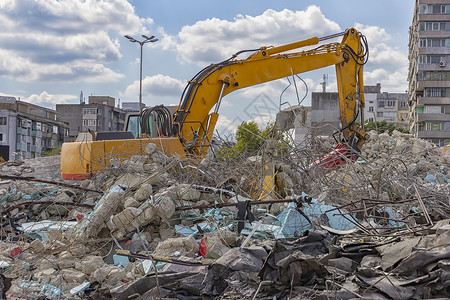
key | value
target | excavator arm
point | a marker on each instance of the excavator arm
(194, 123)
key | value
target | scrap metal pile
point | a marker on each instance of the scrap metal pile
(159, 227)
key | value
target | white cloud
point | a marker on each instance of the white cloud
(382, 54)
(158, 85)
(380, 51)
(70, 39)
(374, 34)
(213, 40)
(393, 82)
(25, 69)
(48, 100)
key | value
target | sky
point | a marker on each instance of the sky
(51, 50)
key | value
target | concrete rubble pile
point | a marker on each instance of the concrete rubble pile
(160, 227)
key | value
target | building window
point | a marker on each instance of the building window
(370, 119)
(370, 108)
(434, 9)
(380, 114)
(391, 103)
(431, 59)
(434, 75)
(434, 109)
(381, 103)
(89, 111)
(89, 122)
(435, 92)
(434, 42)
(2, 120)
(433, 26)
(403, 104)
(1, 137)
(435, 126)
(390, 115)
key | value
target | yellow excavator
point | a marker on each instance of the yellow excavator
(190, 131)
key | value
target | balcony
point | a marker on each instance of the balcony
(434, 50)
(428, 134)
(433, 117)
(36, 149)
(21, 147)
(433, 101)
(36, 133)
(21, 130)
(421, 84)
(434, 67)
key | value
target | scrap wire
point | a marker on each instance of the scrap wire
(167, 259)
(254, 202)
(10, 177)
(374, 203)
(31, 202)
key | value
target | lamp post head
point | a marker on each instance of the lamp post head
(130, 38)
(148, 38)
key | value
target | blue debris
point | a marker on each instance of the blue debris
(184, 230)
(431, 178)
(318, 210)
(80, 288)
(9, 195)
(120, 260)
(292, 223)
(46, 288)
(32, 196)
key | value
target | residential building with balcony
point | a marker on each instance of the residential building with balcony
(28, 130)
(429, 71)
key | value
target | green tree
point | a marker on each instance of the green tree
(382, 126)
(52, 152)
(248, 138)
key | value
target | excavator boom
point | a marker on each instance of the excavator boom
(195, 118)
(194, 123)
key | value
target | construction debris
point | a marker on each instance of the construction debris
(158, 226)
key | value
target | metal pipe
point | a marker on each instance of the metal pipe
(216, 109)
(327, 37)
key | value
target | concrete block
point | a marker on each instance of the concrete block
(187, 246)
(131, 202)
(45, 275)
(115, 276)
(91, 263)
(144, 192)
(36, 246)
(165, 207)
(101, 273)
(187, 193)
(73, 276)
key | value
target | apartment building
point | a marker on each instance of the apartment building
(28, 130)
(379, 106)
(429, 71)
(99, 115)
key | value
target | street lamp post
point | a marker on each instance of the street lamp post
(146, 40)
